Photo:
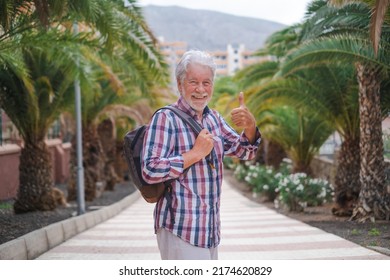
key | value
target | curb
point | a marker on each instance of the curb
(35, 243)
(381, 250)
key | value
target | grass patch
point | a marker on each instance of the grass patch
(374, 232)
(373, 243)
(355, 232)
(5, 205)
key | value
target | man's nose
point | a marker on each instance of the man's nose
(200, 87)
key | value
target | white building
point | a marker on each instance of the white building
(228, 61)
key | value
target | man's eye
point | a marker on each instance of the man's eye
(194, 84)
(206, 84)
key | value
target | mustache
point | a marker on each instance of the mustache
(199, 95)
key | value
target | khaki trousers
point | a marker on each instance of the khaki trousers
(174, 248)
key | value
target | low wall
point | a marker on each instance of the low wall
(324, 168)
(60, 155)
(9, 171)
(9, 166)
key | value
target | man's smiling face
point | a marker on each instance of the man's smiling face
(197, 87)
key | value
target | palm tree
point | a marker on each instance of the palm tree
(299, 131)
(29, 95)
(97, 165)
(276, 46)
(34, 105)
(132, 55)
(332, 91)
(43, 64)
(350, 44)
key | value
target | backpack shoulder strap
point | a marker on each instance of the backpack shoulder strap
(195, 126)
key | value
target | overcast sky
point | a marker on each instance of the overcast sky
(284, 11)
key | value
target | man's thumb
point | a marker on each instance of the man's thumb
(241, 99)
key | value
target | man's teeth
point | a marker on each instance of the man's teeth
(200, 97)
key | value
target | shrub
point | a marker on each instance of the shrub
(263, 180)
(292, 192)
(297, 191)
(229, 163)
(240, 171)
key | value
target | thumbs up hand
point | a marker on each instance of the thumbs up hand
(241, 116)
(241, 99)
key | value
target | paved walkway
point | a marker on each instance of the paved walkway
(249, 231)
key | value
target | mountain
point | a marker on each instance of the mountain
(208, 30)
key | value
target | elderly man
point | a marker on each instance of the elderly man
(187, 218)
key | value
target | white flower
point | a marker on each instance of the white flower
(322, 193)
(301, 175)
(266, 187)
(278, 175)
(303, 204)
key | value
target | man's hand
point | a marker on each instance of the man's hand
(204, 143)
(242, 118)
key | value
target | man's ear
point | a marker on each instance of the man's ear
(179, 85)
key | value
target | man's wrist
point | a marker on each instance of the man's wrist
(190, 158)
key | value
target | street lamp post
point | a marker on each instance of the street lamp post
(79, 146)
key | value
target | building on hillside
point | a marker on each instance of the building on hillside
(228, 61)
(172, 52)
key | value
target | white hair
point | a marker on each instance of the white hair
(194, 56)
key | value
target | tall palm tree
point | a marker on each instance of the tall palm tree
(351, 45)
(332, 91)
(132, 55)
(60, 57)
(34, 106)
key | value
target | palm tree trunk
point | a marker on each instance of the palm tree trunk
(347, 182)
(301, 167)
(93, 162)
(35, 179)
(107, 138)
(274, 154)
(373, 200)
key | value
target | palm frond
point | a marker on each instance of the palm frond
(281, 42)
(256, 73)
(377, 20)
(300, 132)
(325, 20)
(338, 48)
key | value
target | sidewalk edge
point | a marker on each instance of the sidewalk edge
(35, 243)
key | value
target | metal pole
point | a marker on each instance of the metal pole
(1, 127)
(79, 145)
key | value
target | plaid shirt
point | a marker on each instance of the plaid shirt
(195, 194)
